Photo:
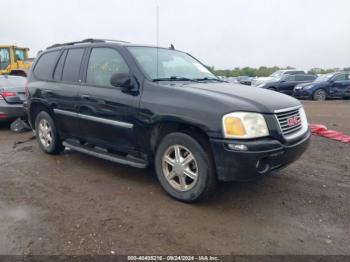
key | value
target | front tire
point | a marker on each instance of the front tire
(319, 95)
(183, 168)
(47, 135)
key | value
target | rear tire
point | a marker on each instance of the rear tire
(319, 95)
(47, 135)
(184, 169)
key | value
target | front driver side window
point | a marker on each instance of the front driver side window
(103, 63)
(341, 77)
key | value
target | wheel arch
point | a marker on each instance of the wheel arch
(164, 127)
(35, 108)
(320, 88)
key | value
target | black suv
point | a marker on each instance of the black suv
(139, 105)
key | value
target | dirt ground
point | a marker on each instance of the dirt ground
(76, 204)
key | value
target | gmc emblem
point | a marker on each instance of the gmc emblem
(293, 121)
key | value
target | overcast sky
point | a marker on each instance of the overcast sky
(222, 33)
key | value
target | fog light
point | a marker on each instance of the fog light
(262, 165)
(238, 147)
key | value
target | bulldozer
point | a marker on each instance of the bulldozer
(14, 60)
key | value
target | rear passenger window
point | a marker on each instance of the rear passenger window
(59, 67)
(103, 63)
(300, 78)
(72, 65)
(44, 67)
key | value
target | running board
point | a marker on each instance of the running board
(125, 160)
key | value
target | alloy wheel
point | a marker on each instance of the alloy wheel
(45, 133)
(180, 167)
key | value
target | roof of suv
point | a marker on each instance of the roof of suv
(93, 40)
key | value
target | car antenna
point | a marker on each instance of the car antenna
(157, 35)
(172, 47)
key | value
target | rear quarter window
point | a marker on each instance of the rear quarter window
(45, 65)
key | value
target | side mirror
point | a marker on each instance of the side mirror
(122, 80)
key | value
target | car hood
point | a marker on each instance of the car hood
(316, 84)
(243, 98)
(261, 80)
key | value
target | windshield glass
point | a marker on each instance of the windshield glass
(277, 74)
(19, 54)
(325, 77)
(4, 58)
(171, 63)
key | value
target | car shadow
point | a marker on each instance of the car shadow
(5, 125)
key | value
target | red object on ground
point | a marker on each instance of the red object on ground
(322, 130)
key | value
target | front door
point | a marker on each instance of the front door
(107, 113)
(287, 84)
(341, 85)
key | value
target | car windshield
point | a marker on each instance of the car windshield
(277, 74)
(325, 77)
(172, 64)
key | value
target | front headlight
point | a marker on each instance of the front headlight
(244, 125)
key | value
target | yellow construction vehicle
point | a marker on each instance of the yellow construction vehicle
(14, 60)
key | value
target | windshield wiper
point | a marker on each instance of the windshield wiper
(174, 78)
(211, 79)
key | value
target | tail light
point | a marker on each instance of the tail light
(5, 94)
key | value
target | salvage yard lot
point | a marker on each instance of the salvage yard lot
(77, 204)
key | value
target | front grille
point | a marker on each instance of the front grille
(286, 128)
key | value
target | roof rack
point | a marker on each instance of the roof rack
(88, 40)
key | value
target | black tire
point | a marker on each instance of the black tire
(206, 177)
(319, 95)
(55, 146)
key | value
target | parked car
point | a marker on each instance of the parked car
(140, 105)
(276, 75)
(12, 96)
(286, 83)
(334, 85)
(245, 80)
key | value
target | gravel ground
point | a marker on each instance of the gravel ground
(76, 204)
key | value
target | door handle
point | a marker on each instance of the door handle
(48, 92)
(86, 97)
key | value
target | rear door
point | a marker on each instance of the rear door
(107, 113)
(64, 91)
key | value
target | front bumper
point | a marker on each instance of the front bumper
(11, 111)
(299, 93)
(261, 157)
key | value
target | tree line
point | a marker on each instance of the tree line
(265, 71)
